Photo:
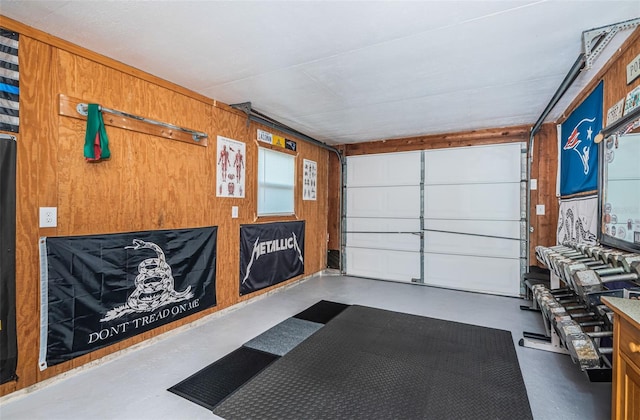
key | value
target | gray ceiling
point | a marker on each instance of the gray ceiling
(346, 72)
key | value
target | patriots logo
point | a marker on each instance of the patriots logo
(574, 141)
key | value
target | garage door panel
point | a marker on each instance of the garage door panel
(473, 202)
(404, 241)
(452, 243)
(392, 202)
(478, 274)
(477, 164)
(386, 265)
(384, 170)
(503, 228)
(356, 224)
(384, 241)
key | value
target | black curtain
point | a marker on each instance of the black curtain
(8, 338)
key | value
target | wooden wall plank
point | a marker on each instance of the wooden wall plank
(615, 78)
(544, 168)
(35, 187)
(334, 203)
(440, 141)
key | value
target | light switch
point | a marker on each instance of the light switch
(234, 212)
(534, 184)
(540, 209)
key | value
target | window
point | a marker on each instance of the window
(276, 179)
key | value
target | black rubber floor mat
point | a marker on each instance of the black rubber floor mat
(370, 363)
(215, 382)
(322, 312)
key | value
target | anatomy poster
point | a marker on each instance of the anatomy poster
(230, 168)
(310, 178)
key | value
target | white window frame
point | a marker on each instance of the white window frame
(276, 179)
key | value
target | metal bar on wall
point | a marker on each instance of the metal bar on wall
(422, 229)
(343, 216)
(82, 109)
(76, 108)
(524, 214)
(263, 119)
(629, 122)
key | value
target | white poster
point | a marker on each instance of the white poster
(310, 178)
(578, 220)
(230, 168)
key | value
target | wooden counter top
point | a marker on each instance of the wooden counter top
(625, 395)
(628, 309)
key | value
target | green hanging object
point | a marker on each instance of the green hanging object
(96, 142)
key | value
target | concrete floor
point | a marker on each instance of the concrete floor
(133, 384)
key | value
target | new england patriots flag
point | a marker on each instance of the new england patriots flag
(578, 152)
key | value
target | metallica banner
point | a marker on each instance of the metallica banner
(270, 254)
(98, 290)
(578, 153)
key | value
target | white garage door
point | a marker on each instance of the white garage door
(383, 209)
(468, 203)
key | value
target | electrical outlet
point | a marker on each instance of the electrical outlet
(48, 217)
(534, 184)
(540, 209)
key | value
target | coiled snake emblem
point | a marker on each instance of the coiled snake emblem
(567, 223)
(154, 285)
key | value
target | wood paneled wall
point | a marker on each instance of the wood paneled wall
(335, 204)
(545, 166)
(614, 75)
(149, 183)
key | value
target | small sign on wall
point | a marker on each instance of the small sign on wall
(633, 100)
(309, 178)
(290, 144)
(278, 141)
(265, 136)
(615, 112)
(633, 69)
